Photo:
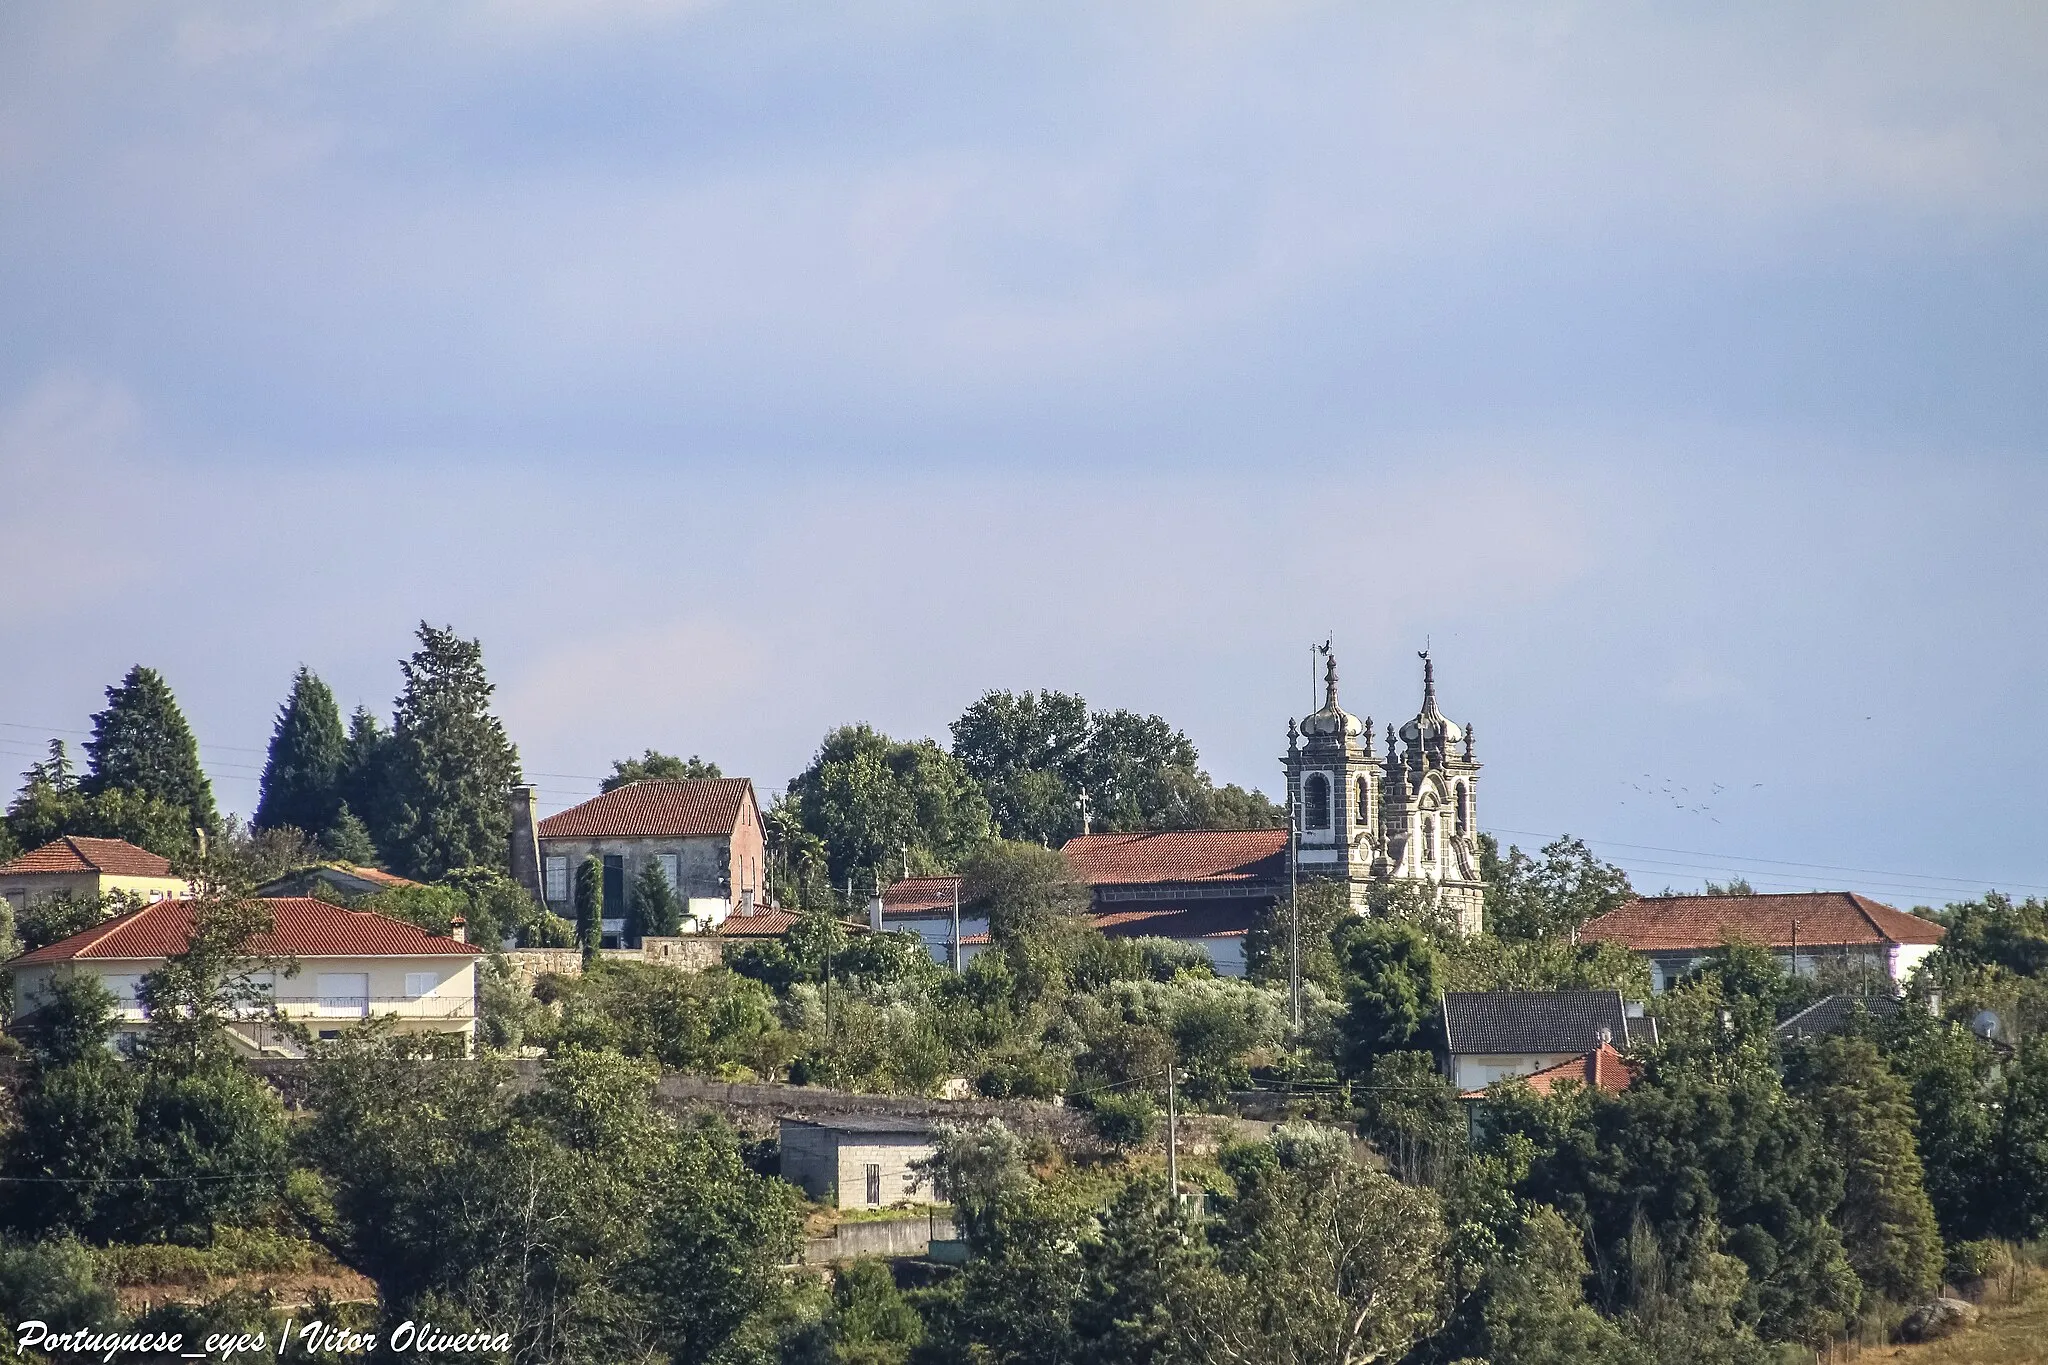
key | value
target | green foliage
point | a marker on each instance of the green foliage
(1534, 1303)
(590, 906)
(706, 1022)
(1035, 753)
(652, 764)
(366, 776)
(1027, 892)
(1393, 984)
(2022, 1145)
(209, 1148)
(1996, 931)
(449, 763)
(872, 802)
(576, 1218)
(1123, 1121)
(303, 774)
(655, 907)
(53, 1280)
(1712, 1159)
(1325, 908)
(1531, 899)
(1866, 1119)
(52, 802)
(141, 745)
(1412, 1115)
(348, 840)
(494, 907)
(869, 1322)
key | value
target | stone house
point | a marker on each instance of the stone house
(337, 879)
(352, 965)
(924, 906)
(1494, 1035)
(857, 1161)
(87, 867)
(705, 834)
(1805, 930)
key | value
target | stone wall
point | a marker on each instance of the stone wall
(882, 1237)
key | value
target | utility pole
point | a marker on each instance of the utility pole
(1172, 1138)
(956, 925)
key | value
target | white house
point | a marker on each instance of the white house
(1805, 930)
(351, 965)
(1494, 1035)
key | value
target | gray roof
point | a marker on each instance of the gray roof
(1540, 1021)
(864, 1123)
(1831, 1014)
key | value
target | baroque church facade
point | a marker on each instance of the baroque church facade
(1373, 821)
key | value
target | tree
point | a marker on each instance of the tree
(1029, 752)
(1323, 1259)
(51, 919)
(450, 763)
(366, 775)
(654, 764)
(1138, 1275)
(869, 1322)
(875, 802)
(1393, 984)
(2022, 1144)
(348, 840)
(590, 906)
(1535, 1310)
(1027, 892)
(657, 909)
(1866, 1119)
(1528, 899)
(141, 744)
(1956, 1107)
(49, 804)
(69, 1149)
(303, 775)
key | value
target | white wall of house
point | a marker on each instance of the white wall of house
(25, 889)
(936, 932)
(433, 993)
(1477, 1070)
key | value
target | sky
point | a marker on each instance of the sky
(1674, 373)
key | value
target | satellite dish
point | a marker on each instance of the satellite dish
(1988, 1026)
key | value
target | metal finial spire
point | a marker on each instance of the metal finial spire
(1428, 684)
(1329, 679)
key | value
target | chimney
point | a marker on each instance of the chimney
(524, 803)
(458, 929)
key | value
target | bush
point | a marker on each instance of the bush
(1972, 1264)
(1124, 1121)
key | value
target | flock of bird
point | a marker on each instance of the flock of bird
(1681, 798)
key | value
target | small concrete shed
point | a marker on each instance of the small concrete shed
(857, 1161)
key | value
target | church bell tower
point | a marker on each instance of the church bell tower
(1430, 818)
(1334, 786)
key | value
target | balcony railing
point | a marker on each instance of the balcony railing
(311, 1007)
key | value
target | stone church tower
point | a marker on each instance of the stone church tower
(1413, 818)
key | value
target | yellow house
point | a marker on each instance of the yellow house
(88, 867)
(351, 965)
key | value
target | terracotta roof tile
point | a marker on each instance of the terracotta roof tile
(1225, 920)
(1602, 1068)
(676, 807)
(920, 896)
(74, 853)
(760, 924)
(301, 927)
(1824, 918)
(1206, 856)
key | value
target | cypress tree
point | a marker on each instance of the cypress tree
(365, 784)
(348, 839)
(590, 906)
(302, 777)
(142, 745)
(1866, 1116)
(656, 909)
(450, 763)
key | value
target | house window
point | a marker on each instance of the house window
(1315, 801)
(418, 984)
(347, 991)
(558, 879)
(670, 872)
(874, 1184)
(126, 990)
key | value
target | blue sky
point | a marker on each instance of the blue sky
(735, 371)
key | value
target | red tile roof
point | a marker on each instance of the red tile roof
(1601, 1069)
(1824, 919)
(1226, 920)
(760, 924)
(920, 896)
(300, 927)
(673, 807)
(73, 853)
(1207, 856)
(373, 874)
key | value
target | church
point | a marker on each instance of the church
(1373, 821)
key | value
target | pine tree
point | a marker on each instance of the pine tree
(302, 777)
(450, 763)
(141, 744)
(656, 908)
(347, 840)
(48, 804)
